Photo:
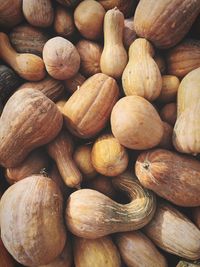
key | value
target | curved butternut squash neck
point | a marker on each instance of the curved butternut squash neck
(141, 48)
(6, 50)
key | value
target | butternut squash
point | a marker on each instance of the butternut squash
(114, 56)
(142, 76)
(28, 66)
(170, 85)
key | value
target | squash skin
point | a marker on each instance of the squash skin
(170, 175)
(29, 120)
(157, 21)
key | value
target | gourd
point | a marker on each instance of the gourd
(72, 84)
(82, 158)
(188, 91)
(103, 216)
(95, 253)
(34, 163)
(137, 250)
(10, 13)
(9, 82)
(90, 54)
(29, 120)
(38, 13)
(5, 258)
(108, 156)
(158, 22)
(183, 58)
(49, 86)
(170, 85)
(141, 75)
(168, 230)
(28, 66)
(168, 113)
(135, 123)
(114, 57)
(166, 141)
(63, 22)
(61, 150)
(90, 23)
(186, 134)
(87, 111)
(129, 34)
(31, 203)
(187, 264)
(61, 58)
(28, 39)
(170, 175)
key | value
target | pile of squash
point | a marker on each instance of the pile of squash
(100, 133)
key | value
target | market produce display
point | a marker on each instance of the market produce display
(99, 133)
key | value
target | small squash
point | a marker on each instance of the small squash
(82, 158)
(137, 250)
(61, 150)
(108, 156)
(114, 55)
(171, 176)
(28, 66)
(28, 39)
(166, 141)
(96, 253)
(103, 216)
(49, 86)
(61, 58)
(183, 58)
(88, 18)
(157, 21)
(87, 111)
(170, 85)
(173, 232)
(31, 203)
(39, 13)
(168, 113)
(29, 120)
(129, 34)
(90, 54)
(35, 162)
(136, 123)
(72, 84)
(142, 76)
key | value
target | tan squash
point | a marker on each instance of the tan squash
(103, 216)
(29, 120)
(129, 34)
(108, 156)
(34, 163)
(187, 264)
(61, 150)
(188, 91)
(31, 203)
(65, 259)
(88, 18)
(87, 111)
(95, 253)
(168, 113)
(28, 66)
(183, 58)
(137, 250)
(114, 55)
(38, 13)
(170, 175)
(64, 22)
(104, 185)
(90, 53)
(160, 61)
(142, 76)
(136, 123)
(196, 216)
(157, 21)
(60, 104)
(82, 158)
(170, 85)
(174, 232)
(28, 39)
(61, 58)
(11, 13)
(166, 141)
(49, 86)
(186, 134)
(72, 84)
(5, 258)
